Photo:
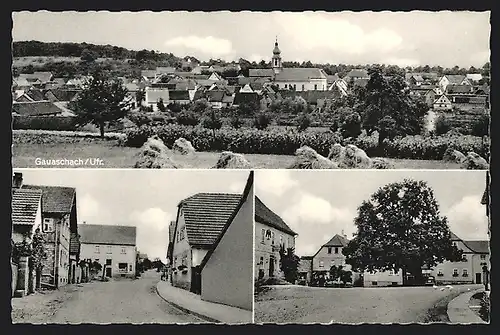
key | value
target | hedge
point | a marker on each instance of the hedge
(44, 122)
(283, 142)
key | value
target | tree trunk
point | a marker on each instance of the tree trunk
(380, 147)
(101, 129)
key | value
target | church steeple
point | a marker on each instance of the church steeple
(276, 60)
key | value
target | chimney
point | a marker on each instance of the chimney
(17, 180)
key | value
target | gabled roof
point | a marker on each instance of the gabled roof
(480, 247)
(55, 199)
(299, 74)
(357, 73)
(332, 78)
(64, 94)
(337, 241)
(206, 214)
(43, 77)
(215, 95)
(474, 76)
(455, 78)
(178, 95)
(36, 108)
(458, 89)
(243, 198)
(107, 234)
(260, 72)
(424, 75)
(36, 94)
(266, 216)
(25, 205)
(245, 97)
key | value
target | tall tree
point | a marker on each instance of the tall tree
(289, 263)
(102, 101)
(400, 227)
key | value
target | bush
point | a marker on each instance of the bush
(212, 121)
(303, 122)
(187, 118)
(139, 118)
(261, 121)
(484, 311)
(481, 127)
(45, 122)
(236, 122)
(442, 125)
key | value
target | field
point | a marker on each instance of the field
(114, 156)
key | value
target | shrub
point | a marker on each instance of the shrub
(45, 122)
(187, 118)
(484, 311)
(139, 118)
(262, 121)
(236, 122)
(442, 125)
(212, 120)
(480, 127)
(303, 122)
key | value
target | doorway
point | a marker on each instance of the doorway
(271, 266)
(478, 278)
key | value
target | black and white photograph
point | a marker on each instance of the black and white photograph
(385, 247)
(253, 90)
(105, 246)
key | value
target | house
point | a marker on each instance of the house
(474, 78)
(37, 78)
(271, 232)
(383, 278)
(453, 79)
(226, 270)
(442, 103)
(154, 95)
(459, 89)
(39, 108)
(178, 96)
(245, 98)
(335, 83)
(357, 76)
(148, 75)
(476, 254)
(26, 220)
(78, 82)
(416, 79)
(189, 63)
(114, 247)
(59, 221)
(61, 94)
(33, 94)
(215, 98)
(200, 220)
(429, 78)
(261, 73)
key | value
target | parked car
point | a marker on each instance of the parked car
(430, 280)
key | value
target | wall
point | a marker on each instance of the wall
(182, 250)
(13, 282)
(308, 85)
(329, 259)
(264, 249)
(383, 278)
(63, 267)
(113, 252)
(227, 276)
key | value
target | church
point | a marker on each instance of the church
(296, 79)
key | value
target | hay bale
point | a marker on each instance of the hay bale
(154, 155)
(452, 155)
(355, 158)
(474, 162)
(337, 151)
(230, 160)
(381, 164)
(308, 158)
(183, 146)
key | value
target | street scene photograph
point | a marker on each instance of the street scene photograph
(385, 247)
(104, 246)
(251, 90)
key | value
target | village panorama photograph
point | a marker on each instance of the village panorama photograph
(253, 90)
(385, 247)
(102, 246)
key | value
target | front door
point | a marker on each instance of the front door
(271, 266)
(478, 278)
(196, 279)
(108, 271)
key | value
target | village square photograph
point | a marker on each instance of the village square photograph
(385, 247)
(105, 246)
(251, 90)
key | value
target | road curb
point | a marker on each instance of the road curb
(186, 310)
(459, 312)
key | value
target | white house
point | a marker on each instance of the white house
(453, 79)
(114, 247)
(153, 95)
(442, 103)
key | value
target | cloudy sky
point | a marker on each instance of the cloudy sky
(317, 205)
(145, 199)
(402, 38)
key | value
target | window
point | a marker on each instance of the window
(455, 272)
(272, 238)
(374, 283)
(286, 85)
(130, 267)
(122, 266)
(336, 250)
(48, 225)
(261, 262)
(60, 257)
(464, 258)
(483, 257)
(108, 261)
(281, 239)
(97, 250)
(109, 249)
(263, 235)
(321, 264)
(329, 250)
(123, 251)
(465, 273)
(315, 87)
(440, 273)
(302, 87)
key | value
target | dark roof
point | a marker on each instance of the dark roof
(260, 72)
(299, 74)
(178, 95)
(107, 234)
(74, 243)
(332, 78)
(357, 73)
(480, 247)
(311, 97)
(64, 94)
(36, 94)
(245, 97)
(36, 108)
(205, 215)
(199, 94)
(56, 199)
(307, 258)
(337, 241)
(24, 206)
(243, 198)
(455, 78)
(265, 215)
(450, 89)
(215, 95)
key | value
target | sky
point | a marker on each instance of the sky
(146, 199)
(319, 204)
(400, 38)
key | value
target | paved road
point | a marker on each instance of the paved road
(299, 304)
(122, 301)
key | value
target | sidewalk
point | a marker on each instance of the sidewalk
(192, 303)
(459, 311)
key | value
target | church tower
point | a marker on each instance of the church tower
(276, 60)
